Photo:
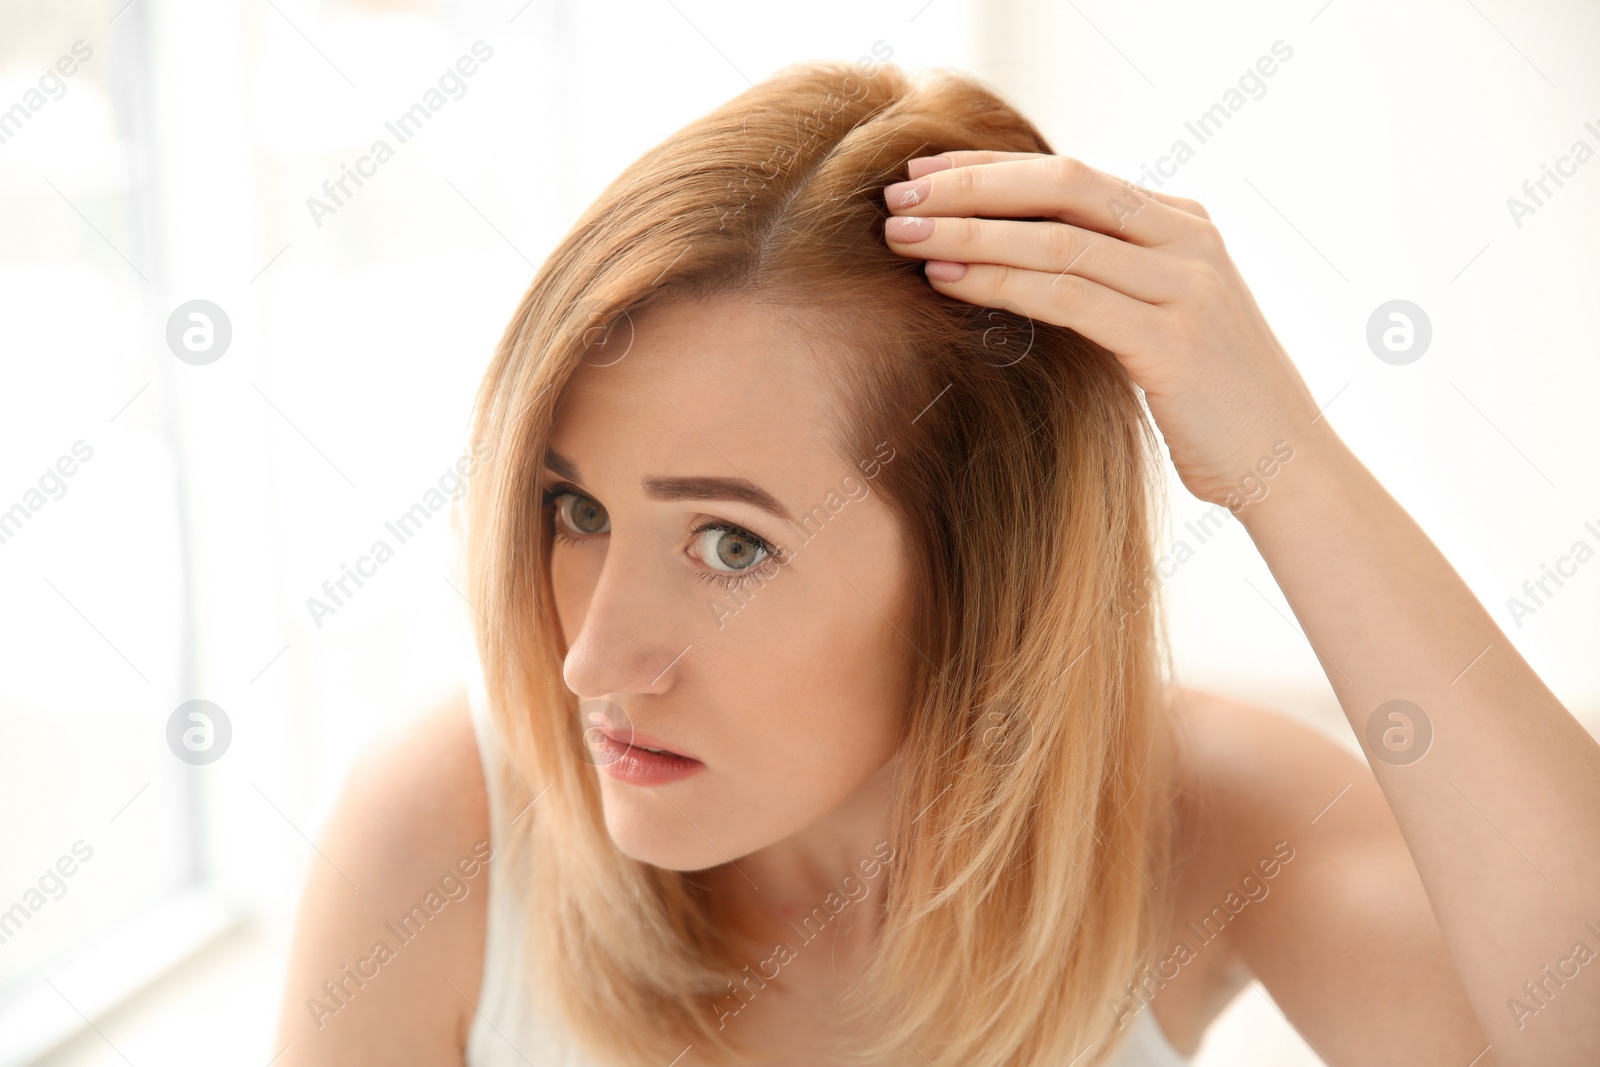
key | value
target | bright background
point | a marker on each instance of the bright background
(175, 562)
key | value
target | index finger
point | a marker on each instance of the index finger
(922, 165)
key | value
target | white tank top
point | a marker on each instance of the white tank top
(505, 1029)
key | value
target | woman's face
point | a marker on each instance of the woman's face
(788, 681)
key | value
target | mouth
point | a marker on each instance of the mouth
(638, 742)
(636, 764)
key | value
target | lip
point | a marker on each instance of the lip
(636, 739)
(636, 767)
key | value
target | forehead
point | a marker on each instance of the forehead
(718, 387)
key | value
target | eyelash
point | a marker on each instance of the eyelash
(729, 581)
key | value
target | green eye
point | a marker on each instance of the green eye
(733, 556)
(587, 515)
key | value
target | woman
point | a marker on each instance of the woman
(836, 490)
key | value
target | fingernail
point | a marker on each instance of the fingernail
(909, 228)
(907, 194)
(921, 165)
(941, 270)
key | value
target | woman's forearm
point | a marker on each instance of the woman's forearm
(1494, 784)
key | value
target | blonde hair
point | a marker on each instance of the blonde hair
(1023, 893)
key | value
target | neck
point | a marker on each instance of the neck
(813, 887)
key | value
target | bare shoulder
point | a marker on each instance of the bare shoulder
(387, 953)
(1299, 876)
(1255, 782)
(1230, 749)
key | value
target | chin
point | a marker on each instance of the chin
(667, 855)
(649, 829)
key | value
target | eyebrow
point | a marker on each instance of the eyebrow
(691, 488)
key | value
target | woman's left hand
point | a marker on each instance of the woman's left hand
(1143, 274)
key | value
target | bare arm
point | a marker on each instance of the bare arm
(1500, 806)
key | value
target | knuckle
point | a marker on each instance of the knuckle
(1061, 246)
(1000, 284)
(1205, 280)
(1069, 287)
(967, 230)
(1207, 235)
(982, 282)
(1066, 170)
(966, 180)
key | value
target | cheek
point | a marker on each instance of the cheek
(802, 750)
(824, 706)
(571, 582)
(847, 673)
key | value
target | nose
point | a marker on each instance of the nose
(629, 640)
